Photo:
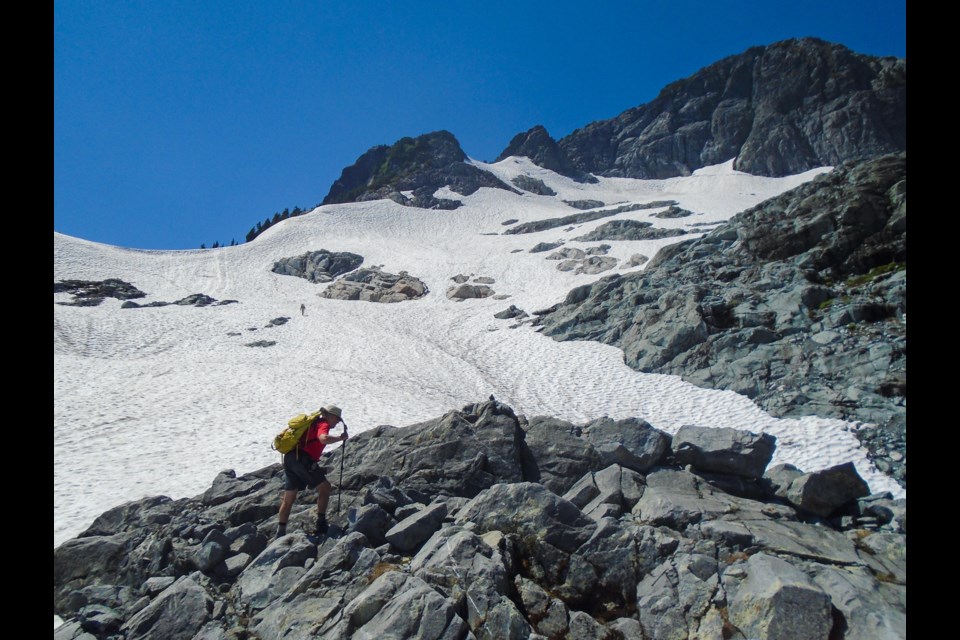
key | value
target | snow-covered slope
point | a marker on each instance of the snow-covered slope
(159, 400)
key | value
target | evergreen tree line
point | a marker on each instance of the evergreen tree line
(266, 224)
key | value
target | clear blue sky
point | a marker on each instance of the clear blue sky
(179, 122)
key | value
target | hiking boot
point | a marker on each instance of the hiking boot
(281, 531)
(322, 527)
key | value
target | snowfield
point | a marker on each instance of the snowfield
(157, 401)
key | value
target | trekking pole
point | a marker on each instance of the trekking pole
(343, 454)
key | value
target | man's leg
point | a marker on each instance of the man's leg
(323, 499)
(286, 504)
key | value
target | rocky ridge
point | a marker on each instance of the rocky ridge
(485, 524)
(420, 165)
(798, 303)
(780, 109)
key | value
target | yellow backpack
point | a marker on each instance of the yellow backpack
(287, 440)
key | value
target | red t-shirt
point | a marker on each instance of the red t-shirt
(311, 446)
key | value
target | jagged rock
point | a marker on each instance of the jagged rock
(548, 615)
(730, 451)
(632, 442)
(176, 614)
(99, 620)
(459, 454)
(554, 455)
(777, 600)
(386, 494)
(777, 479)
(274, 571)
(636, 260)
(415, 529)
(510, 312)
(373, 522)
(397, 605)
(540, 247)
(318, 266)
(311, 606)
(463, 567)
(628, 628)
(550, 525)
(543, 151)
(467, 291)
(374, 285)
(88, 293)
(673, 212)
(823, 492)
(213, 549)
(584, 204)
(780, 109)
(484, 280)
(871, 609)
(612, 491)
(423, 165)
(591, 265)
(533, 185)
(674, 597)
(629, 230)
(579, 218)
(569, 253)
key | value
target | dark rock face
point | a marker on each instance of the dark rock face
(463, 540)
(318, 266)
(543, 151)
(422, 164)
(779, 110)
(798, 303)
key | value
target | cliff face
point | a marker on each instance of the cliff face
(780, 109)
(486, 524)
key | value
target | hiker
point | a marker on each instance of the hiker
(303, 308)
(301, 469)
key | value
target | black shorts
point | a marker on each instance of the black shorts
(301, 472)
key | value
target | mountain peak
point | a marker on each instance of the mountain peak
(422, 165)
(543, 151)
(779, 109)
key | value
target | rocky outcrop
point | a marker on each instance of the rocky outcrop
(629, 230)
(193, 300)
(533, 185)
(580, 218)
(374, 285)
(779, 110)
(90, 293)
(485, 524)
(798, 303)
(318, 266)
(422, 165)
(543, 151)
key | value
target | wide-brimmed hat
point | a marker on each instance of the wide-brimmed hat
(333, 410)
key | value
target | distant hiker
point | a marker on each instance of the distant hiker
(303, 308)
(301, 469)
